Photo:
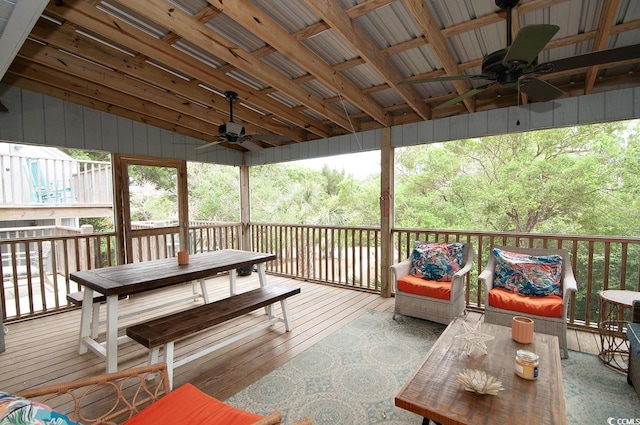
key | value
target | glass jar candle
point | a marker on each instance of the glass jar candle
(527, 364)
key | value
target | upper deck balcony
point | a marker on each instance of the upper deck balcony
(36, 180)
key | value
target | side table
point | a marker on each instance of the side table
(614, 347)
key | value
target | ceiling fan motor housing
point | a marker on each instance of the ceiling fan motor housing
(231, 131)
(505, 4)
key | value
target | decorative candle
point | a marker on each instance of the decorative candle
(527, 364)
(522, 330)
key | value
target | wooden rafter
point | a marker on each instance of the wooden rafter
(609, 10)
(423, 16)
(331, 12)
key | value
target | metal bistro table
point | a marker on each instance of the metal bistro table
(129, 279)
(614, 347)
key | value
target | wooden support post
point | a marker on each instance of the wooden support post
(245, 207)
(386, 210)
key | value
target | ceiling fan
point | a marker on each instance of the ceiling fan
(516, 66)
(232, 132)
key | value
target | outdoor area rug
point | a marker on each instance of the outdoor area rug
(353, 375)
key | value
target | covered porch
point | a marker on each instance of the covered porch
(46, 357)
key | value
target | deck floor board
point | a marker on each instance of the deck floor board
(44, 351)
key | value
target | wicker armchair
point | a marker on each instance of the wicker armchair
(548, 325)
(114, 398)
(433, 309)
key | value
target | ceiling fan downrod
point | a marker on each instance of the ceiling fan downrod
(231, 96)
(508, 5)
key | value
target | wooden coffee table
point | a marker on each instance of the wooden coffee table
(434, 393)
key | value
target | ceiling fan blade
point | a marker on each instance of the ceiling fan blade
(208, 145)
(270, 137)
(528, 43)
(249, 145)
(600, 57)
(539, 90)
(462, 97)
(446, 78)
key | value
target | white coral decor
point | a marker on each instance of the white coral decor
(479, 382)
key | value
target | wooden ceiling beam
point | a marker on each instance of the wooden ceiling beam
(20, 80)
(265, 28)
(174, 19)
(607, 17)
(331, 12)
(116, 81)
(98, 22)
(103, 93)
(427, 23)
(67, 39)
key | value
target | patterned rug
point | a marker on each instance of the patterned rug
(352, 376)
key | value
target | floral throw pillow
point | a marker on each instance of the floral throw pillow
(531, 275)
(16, 410)
(436, 261)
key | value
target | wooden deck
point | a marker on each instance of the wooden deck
(45, 350)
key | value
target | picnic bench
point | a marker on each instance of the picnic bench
(165, 331)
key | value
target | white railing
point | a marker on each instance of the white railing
(48, 181)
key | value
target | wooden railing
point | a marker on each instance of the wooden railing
(35, 270)
(36, 264)
(50, 181)
(346, 256)
(351, 257)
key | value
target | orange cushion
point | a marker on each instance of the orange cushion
(189, 406)
(548, 306)
(428, 288)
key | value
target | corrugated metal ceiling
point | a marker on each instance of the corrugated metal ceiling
(301, 64)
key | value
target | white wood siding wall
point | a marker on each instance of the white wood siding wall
(42, 120)
(37, 119)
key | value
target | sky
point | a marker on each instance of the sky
(359, 165)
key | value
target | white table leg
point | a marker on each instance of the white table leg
(203, 289)
(168, 358)
(262, 277)
(85, 318)
(112, 334)
(285, 315)
(232, 282)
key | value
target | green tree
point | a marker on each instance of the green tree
(214, 192)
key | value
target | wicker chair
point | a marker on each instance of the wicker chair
(114, 398)
(548, 325)
(433, 309)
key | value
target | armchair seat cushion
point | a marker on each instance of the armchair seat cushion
(549, 306)
(427, 288)
(189, 406)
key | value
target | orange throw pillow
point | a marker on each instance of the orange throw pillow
(188, 405)
(549, 306)
(427, 288)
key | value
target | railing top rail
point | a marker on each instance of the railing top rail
(549, 236)
(315, 226)
(55, 237)
(84, 161)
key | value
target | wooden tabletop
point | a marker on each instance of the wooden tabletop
(433, 391)
(128, 279)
